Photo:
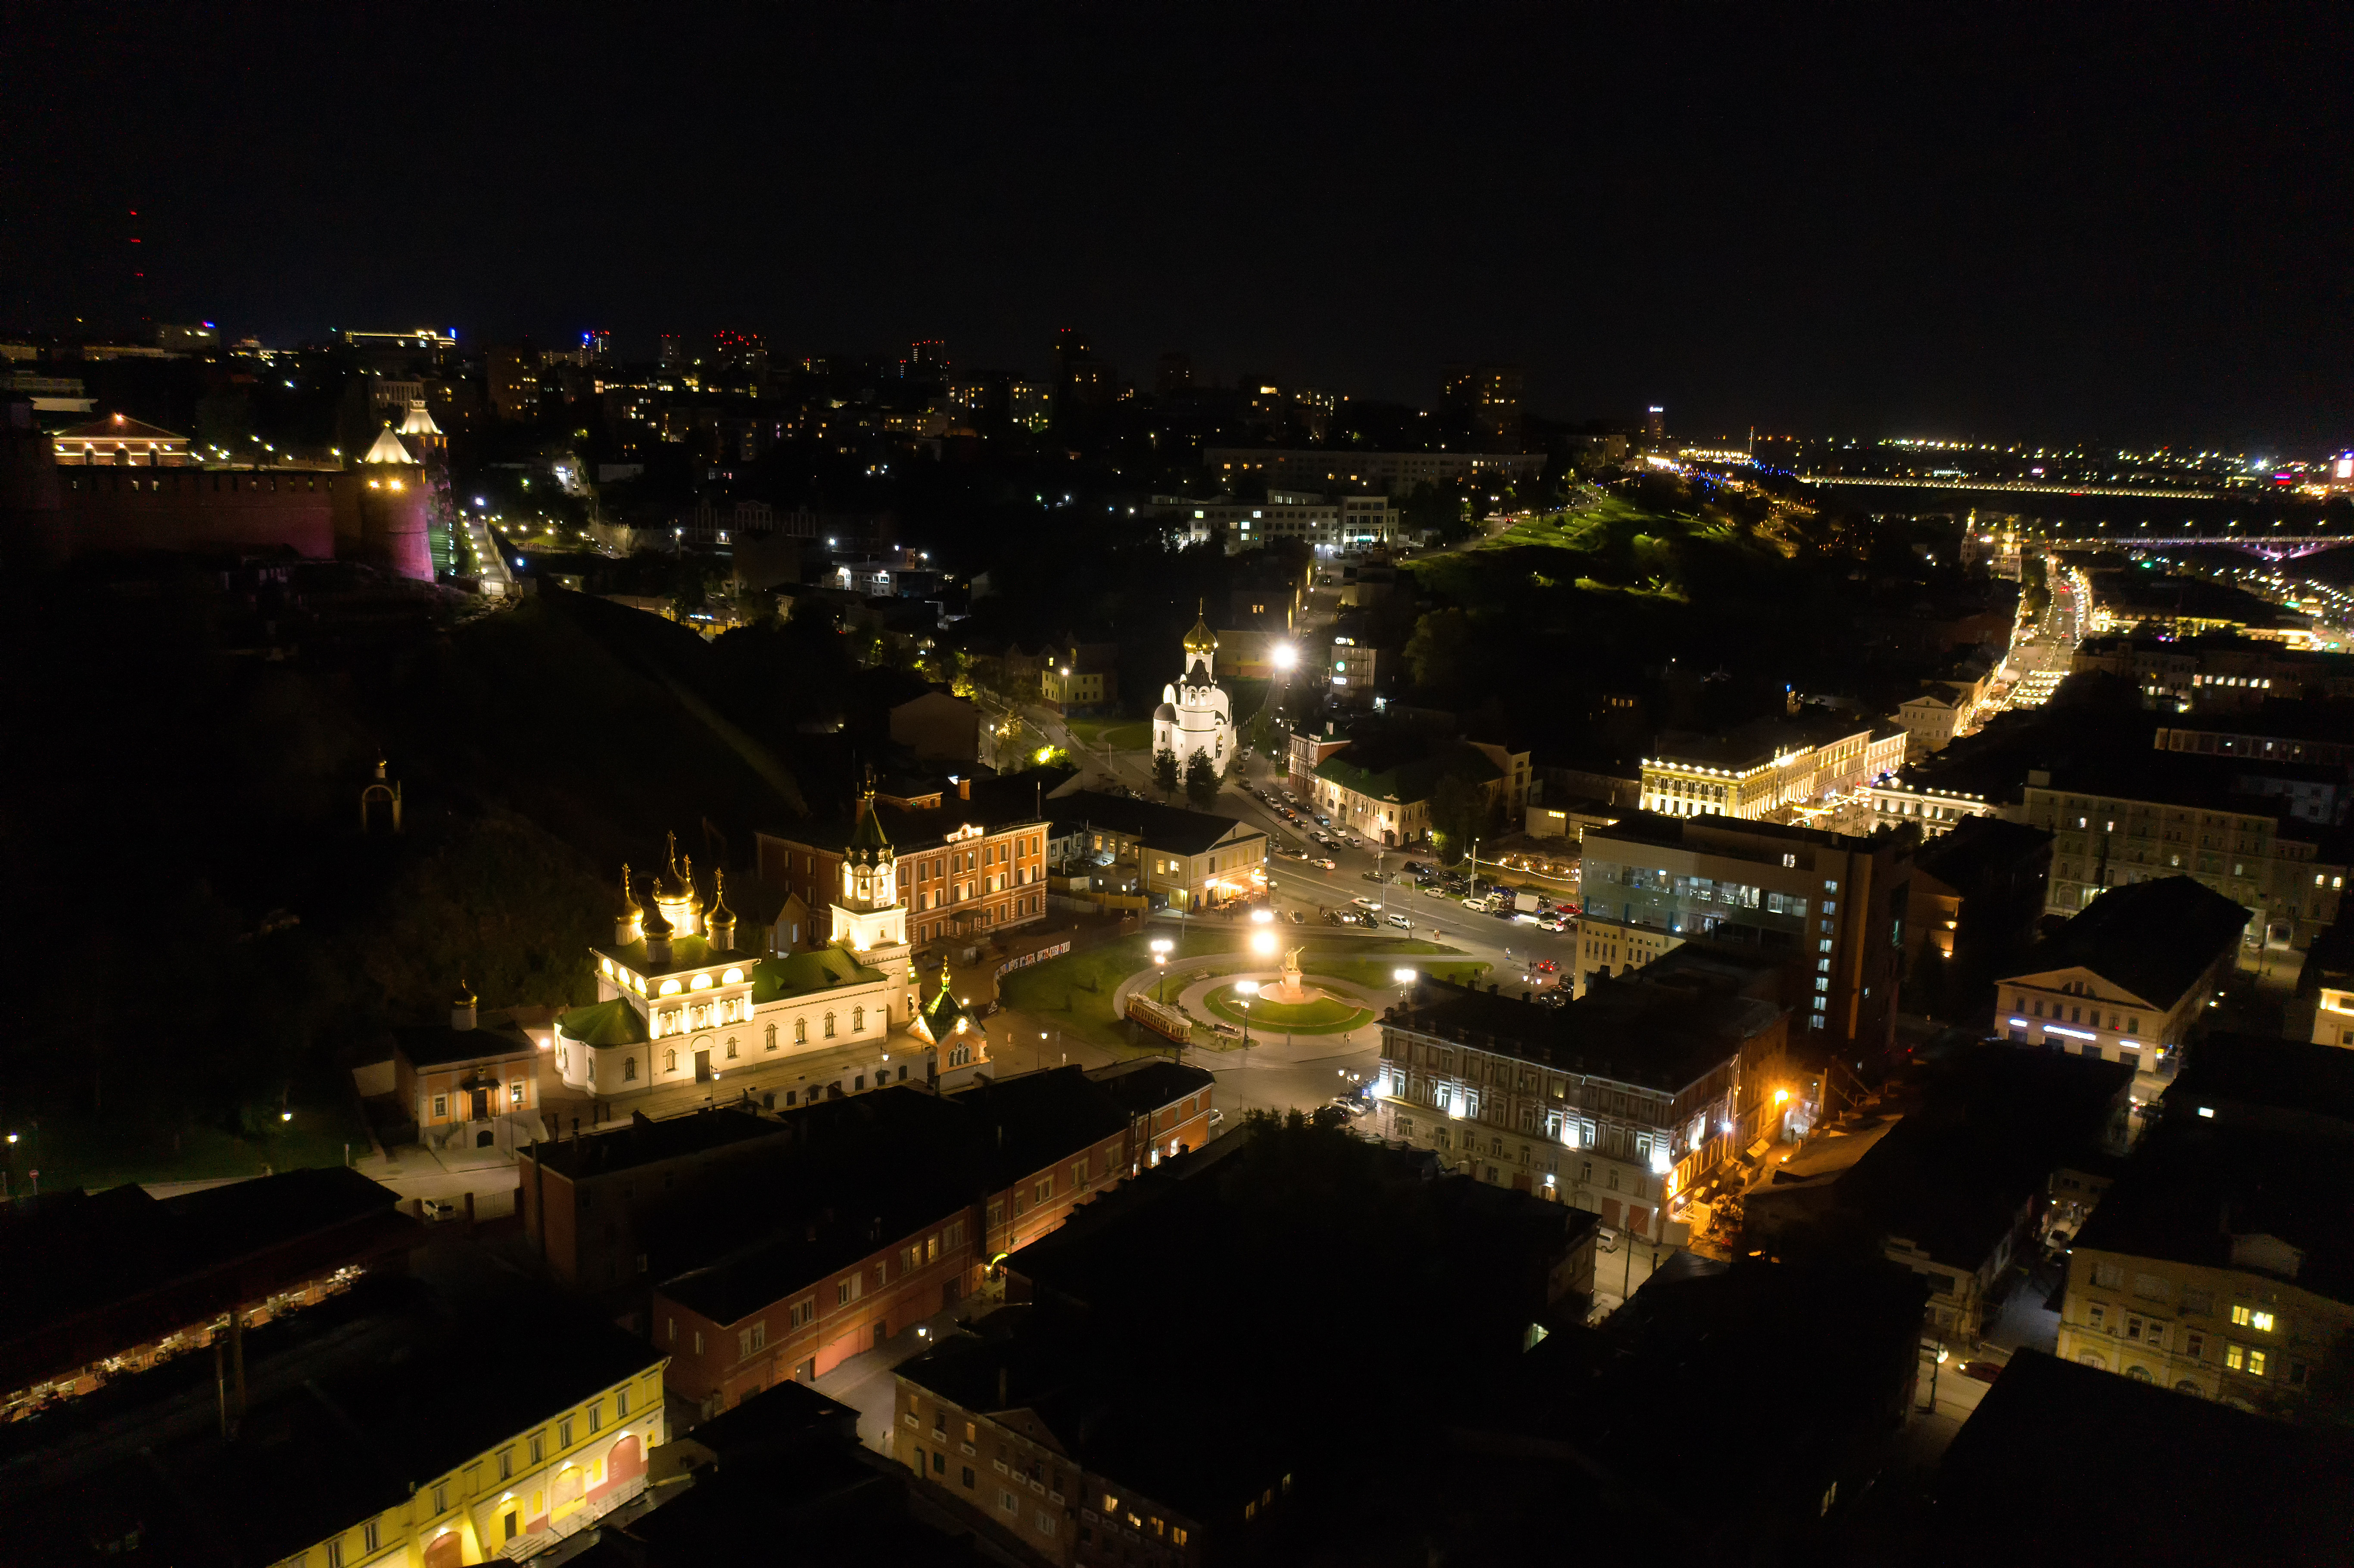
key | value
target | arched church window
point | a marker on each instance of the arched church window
(629, 1068)
(731, 1047)
(670, 1060)
(858, 1021)
(829, 1027)
(772, 1037)
(800, 1030)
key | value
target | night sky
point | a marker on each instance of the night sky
(2055, 223)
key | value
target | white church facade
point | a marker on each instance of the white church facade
(682, 1000)
(1194, 714)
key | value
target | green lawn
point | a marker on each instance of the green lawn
(103, 1152)
(1077, 990)
(1325, 1015)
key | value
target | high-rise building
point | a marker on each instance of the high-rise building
(1483, 402)
(513, 372)
(673, 354)
(1174, 374)
(927, 359)
(1084, 384)
(1655, 424)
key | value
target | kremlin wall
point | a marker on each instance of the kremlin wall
(116, 485)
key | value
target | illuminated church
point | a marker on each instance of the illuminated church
(1194, 714)
(684, 998)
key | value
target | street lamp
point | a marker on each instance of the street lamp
(1263, 944)
(1160, 946)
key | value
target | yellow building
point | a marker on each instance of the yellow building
(1771, 770)
(572, 1466)
(2216, 1266)
(446, 1412)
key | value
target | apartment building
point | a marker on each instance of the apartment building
(2126, 979)
(1770, 770)
(2132, 819)
(2216, 1266)
(1390, 473)
(1828, 907)
(1332, 524)
(1620, 1104)
(971, 856)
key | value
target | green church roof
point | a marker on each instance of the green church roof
(613, 1022)
(782, 975)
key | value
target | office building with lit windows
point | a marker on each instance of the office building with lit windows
(2218, 1266)
(1828, 907)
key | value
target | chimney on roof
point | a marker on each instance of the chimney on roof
(964, 789)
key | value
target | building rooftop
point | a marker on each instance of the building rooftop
(648, 1141)
(1151, 1082)
(2046, 1460)
(2198, 1196)
(1030, 1121)
(1658, 1035)
(1403, 769)
(917, 813)
(2225, 1070)
(1737, 837)
(2153, 939)
(91, 1274)
(1748, 748)
(440, 1044)
(1171, 828)
(1976, 847)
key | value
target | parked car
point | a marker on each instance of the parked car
(1985, 1371)
(1299, 916)
(1230, 1031)
(437, 1210)
(1402, 922)
(1547, 966)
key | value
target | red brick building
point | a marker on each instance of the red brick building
(870, 1247)
(972, 856)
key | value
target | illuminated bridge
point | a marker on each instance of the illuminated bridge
(2271, 546)
(2014, 486)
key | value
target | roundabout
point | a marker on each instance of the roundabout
(1322, 1014)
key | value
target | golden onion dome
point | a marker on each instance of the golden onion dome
(465, 997)
(1201, 640)
(720, 914)
(630, 908)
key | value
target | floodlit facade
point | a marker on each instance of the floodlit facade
(1194, 714)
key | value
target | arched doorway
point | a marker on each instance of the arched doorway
(625, 1461)
(445, 1550)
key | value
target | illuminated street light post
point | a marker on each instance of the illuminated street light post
(1160, 947)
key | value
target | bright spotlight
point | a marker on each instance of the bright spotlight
(1263, 943)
